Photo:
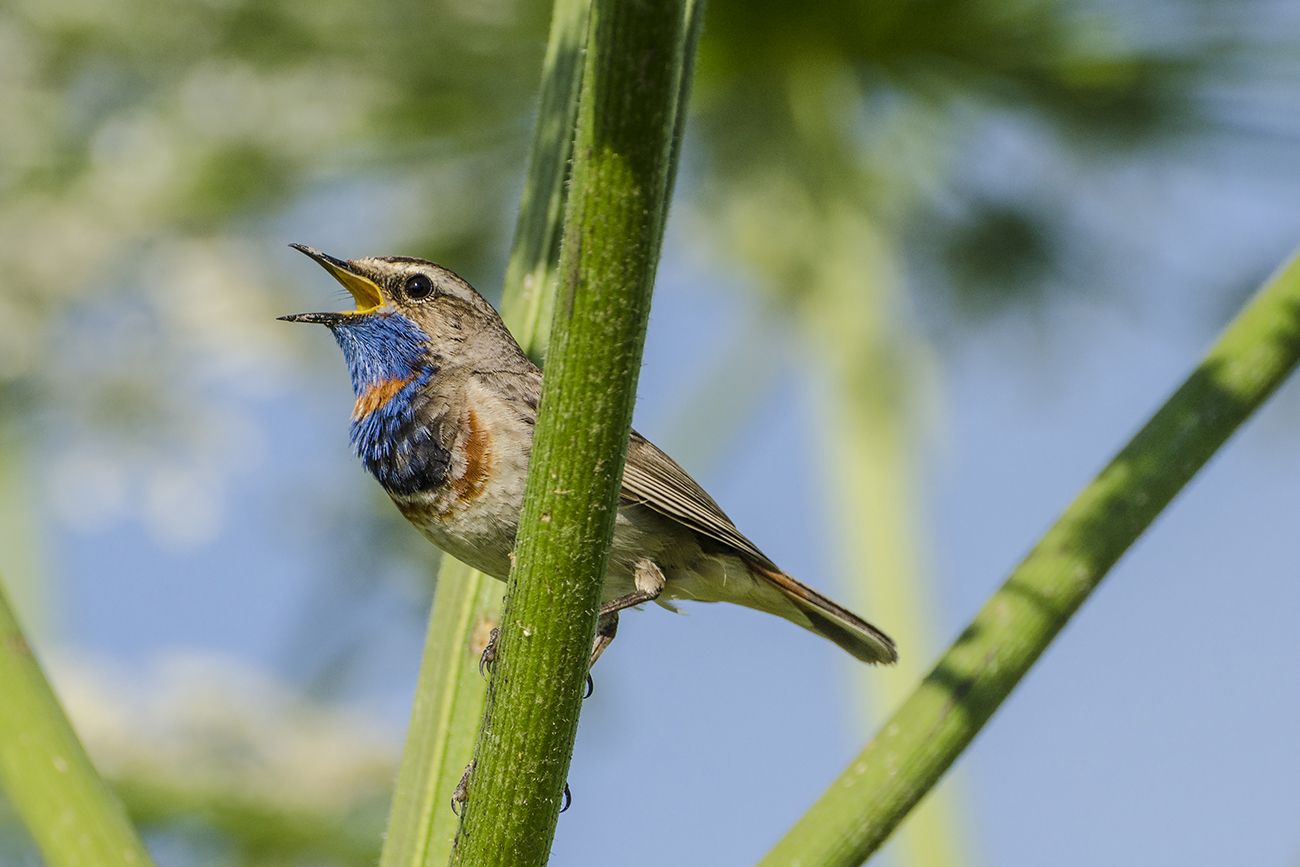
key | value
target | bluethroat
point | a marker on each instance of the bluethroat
(446, 403)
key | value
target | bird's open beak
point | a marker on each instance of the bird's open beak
(364, 291)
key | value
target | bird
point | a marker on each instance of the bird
(445, 408)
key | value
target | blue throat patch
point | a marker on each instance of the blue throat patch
(387, 358)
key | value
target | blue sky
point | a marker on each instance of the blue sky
(1159, 729)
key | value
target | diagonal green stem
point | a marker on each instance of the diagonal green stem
(449, 695)
(72, 815)
(941, 717)
(626, 122)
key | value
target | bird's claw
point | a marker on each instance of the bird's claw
(461, 793)
(489, 655)
(591, 687)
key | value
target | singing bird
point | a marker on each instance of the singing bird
(446, 404)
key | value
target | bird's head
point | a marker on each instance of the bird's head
(411, 316)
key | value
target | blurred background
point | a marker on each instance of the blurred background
(929, 264)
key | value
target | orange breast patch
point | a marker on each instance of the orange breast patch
(477, 447)
(378, 395)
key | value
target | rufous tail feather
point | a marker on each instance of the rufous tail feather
(832, 620)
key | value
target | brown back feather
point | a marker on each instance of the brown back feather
(654, 480)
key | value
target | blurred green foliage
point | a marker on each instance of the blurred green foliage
(153, 155)
(139, 126)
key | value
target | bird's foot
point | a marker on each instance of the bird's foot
(489, 655)
(461, 793)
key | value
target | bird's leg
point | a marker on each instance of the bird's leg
(649, 583)
(606, 629)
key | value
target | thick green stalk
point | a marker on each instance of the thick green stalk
(71, 814)
(913, 749)
(626, 121)
(449, 695)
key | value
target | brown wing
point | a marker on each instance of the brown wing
(653, 479)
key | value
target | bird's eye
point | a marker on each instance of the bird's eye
(418, 286)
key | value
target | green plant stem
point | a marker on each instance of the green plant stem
(626, 122)
(449, 695)
(941, 717)
(447, 705)
(71, 814)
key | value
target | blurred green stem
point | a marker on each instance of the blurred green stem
(449, 695)
(447, 705)
(625, 141)
(256, 824)
(529, 296)
(21, 540)
(71, 814)
(872, 363)
(941, 717)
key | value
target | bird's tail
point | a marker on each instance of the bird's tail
(828, 619)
